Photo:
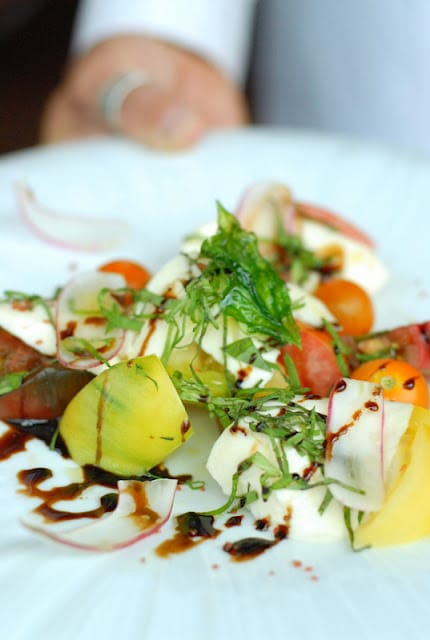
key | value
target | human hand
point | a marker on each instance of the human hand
(186, 95)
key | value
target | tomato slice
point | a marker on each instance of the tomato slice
(135, 275)
(349, 303)
(44, 394)
(399, 380)
(16, 356)
(315, 362)
(331, 219)
(46, 389)
(412, 343)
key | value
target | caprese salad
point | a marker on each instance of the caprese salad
(265, 320)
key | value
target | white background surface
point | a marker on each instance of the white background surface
(51, 592)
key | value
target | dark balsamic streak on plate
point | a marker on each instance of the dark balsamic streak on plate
(191, 529)
(13, 442)
(32, 478)
(20, 432)
(249, 548)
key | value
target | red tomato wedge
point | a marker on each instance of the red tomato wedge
(44, 394)
(315, 362)
(16, 356)
(412, 343)
(331, 219)
(47, 387)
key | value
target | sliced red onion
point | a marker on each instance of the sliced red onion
(354, 452)
(261, 204)
(143, 508)
(79, 321)
(69, 232)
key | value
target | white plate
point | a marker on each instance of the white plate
(52, 592)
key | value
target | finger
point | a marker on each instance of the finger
(63, 119)
(161, 119)
(182, 98)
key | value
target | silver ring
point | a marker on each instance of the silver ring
(116, 92)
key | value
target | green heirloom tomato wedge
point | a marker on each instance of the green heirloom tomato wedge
(126, 420)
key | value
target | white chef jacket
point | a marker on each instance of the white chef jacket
(356, 67)
(218, 30)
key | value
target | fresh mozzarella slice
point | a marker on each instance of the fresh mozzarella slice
(248, 374)
(30, 324)
(320, 405)
(359, 263)
(173, 274)
(192, 243)
(298, 509)
(168, 281)
(309, 309)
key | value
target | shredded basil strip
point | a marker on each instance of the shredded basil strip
(340, 349)
(11, 381)
(245, 350)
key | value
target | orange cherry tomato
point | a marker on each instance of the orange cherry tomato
(136, 276)
(399, 380)
(349, 303)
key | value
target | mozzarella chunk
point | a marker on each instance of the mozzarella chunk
(32, 326)
(169, 280)
(311, 310)
(172, 276)
(248, 374)
(299, 509)
(320, 405)
(360, 262)
(192, 243)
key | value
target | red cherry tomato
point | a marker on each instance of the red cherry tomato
(136, 276)
(315, 361)
(349, 303)
(399, 380)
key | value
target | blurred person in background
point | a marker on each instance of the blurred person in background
(161, 71)
(164, 72)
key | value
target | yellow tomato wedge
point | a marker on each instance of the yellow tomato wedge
(127, 419)
(405, 514)
(191, 360)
